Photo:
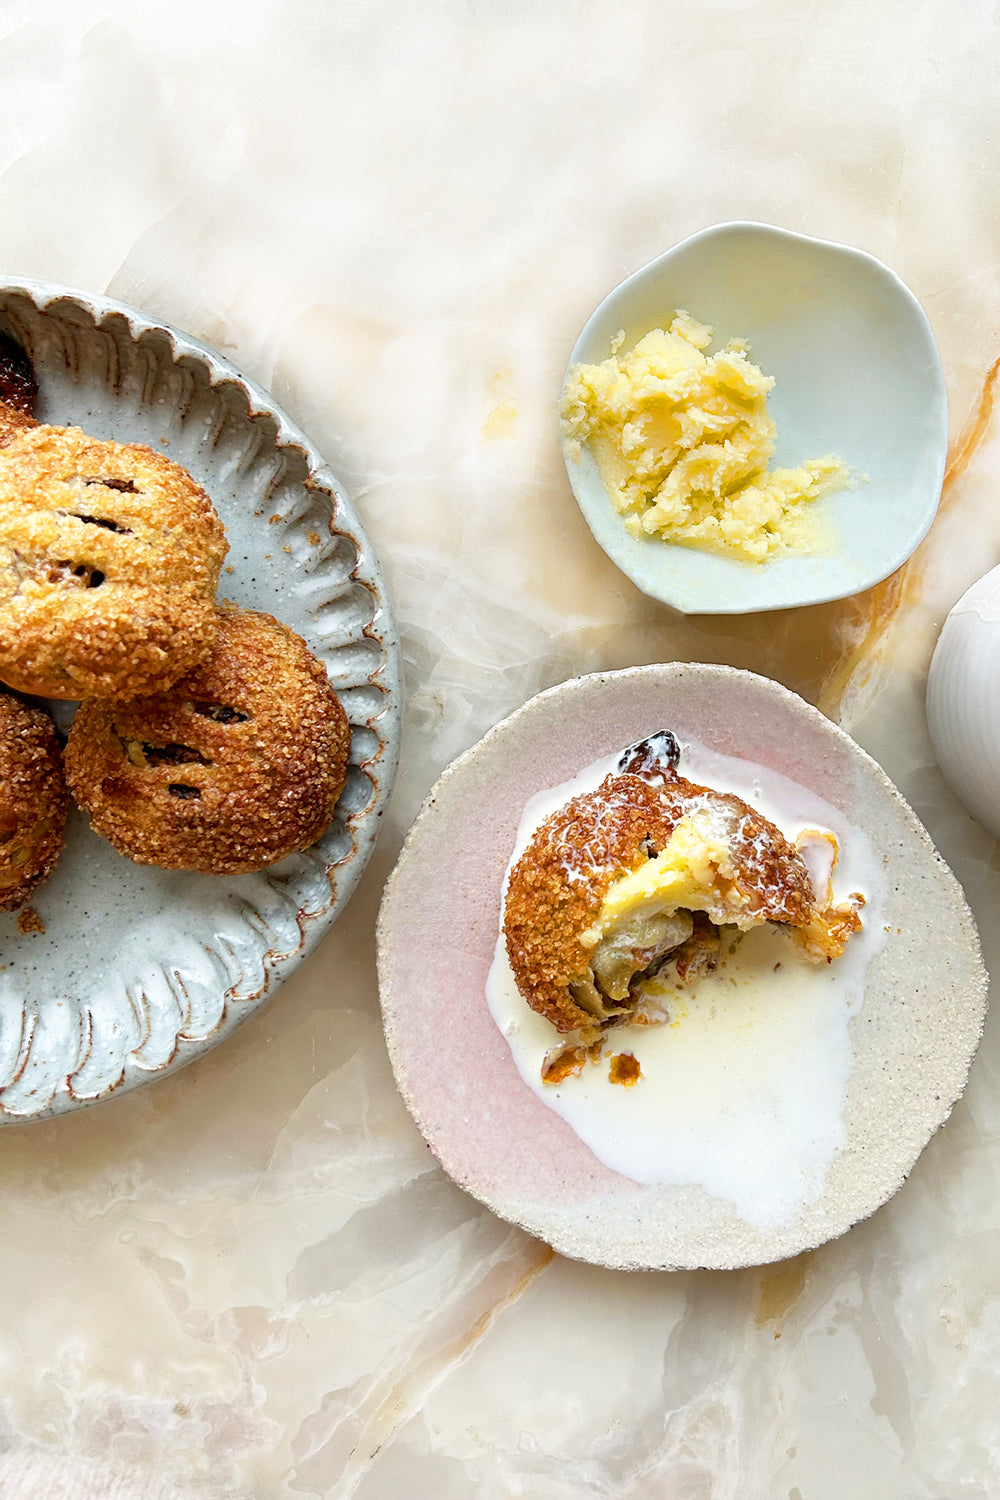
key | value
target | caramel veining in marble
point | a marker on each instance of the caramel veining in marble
(251, 1281)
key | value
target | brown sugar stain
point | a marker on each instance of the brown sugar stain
(780, 1288)
(624, 1069)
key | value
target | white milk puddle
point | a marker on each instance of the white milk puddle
(742, 1091)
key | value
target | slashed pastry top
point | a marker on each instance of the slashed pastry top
(240, 764)
(109, 562)
(643, 871)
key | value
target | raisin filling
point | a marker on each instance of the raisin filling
(103, 521)
(183, 791)
(125, 486)
(141, 753)
(18, 386)
(220, 713)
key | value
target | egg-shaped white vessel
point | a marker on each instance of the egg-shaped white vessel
(963, 700)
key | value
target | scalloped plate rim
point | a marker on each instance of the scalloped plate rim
(274, 962)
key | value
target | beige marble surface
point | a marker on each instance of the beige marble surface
(250, 1279)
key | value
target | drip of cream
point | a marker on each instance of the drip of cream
(742, 1091)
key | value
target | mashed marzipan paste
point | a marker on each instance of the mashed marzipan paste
(682, 442)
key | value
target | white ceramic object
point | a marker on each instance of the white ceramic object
(963, 700)
(912, 1039)
(857, 373)
(139, 970)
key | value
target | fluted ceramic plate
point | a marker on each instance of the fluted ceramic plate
(140, 970)
(911, 1040)
(857, 373)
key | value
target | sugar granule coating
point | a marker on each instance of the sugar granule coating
(33, 800)
(557, 888)
(13, 422)
(18, 390)
(239, 765)
(109, 561)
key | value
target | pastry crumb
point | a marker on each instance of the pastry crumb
(625, 1069)
(568, 1062)
(563, 1062)
(28, 920)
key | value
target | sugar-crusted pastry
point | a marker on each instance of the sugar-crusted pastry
(33, 800)
(18, 390)
(644, 871)
(109, 561)
(239, 765)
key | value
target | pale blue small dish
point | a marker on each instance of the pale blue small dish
(857, 373)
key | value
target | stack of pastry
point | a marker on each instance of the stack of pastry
(208, 737)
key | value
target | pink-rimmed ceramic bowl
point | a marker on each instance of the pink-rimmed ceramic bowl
(912, 1040)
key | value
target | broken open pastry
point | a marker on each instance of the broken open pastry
(642, 873)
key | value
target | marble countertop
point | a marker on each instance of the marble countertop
(250, 1280)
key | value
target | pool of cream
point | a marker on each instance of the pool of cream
(742, 1090)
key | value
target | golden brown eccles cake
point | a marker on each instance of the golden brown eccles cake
(33, 800)
(109, 561)
(643, 872)
(239, 765)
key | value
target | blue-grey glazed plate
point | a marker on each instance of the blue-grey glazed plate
(140, 970)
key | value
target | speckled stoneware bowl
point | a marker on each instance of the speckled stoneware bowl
(140, 970)
(912, 1039)
(857, 373)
